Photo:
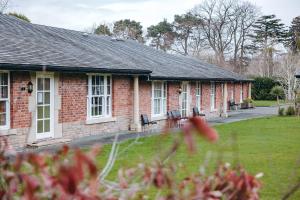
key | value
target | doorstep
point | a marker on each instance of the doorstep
(50, 142)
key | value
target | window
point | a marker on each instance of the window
(159, 96)
(198, 95)
(99, 98)
(4, 100)
(184, 99)
(212, 96)
(241, 93)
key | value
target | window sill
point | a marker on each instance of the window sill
(7, 132)
(158, 118)
(100, 120)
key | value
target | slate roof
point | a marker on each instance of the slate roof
(27, 45)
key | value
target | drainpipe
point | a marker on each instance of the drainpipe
(136, 105)
(225, 97)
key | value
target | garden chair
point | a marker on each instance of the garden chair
(146, 122)
(197, 113)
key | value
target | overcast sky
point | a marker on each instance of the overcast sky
(81, 14)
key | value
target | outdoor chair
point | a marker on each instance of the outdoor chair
(146, 122)
(233, 105)
(176, 116)
(197, 113)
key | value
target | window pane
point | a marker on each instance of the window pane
(101, 101)
(2, 106)
(40, 97)
(40, 111)
(47, 126)
(47, 112)
(2, 119)
(47, 84)
(47, 97)
(4, 92)
(40, 126)
(101, 90)
(108, 105)
(40, 84)
(4, 79)
(108, 85)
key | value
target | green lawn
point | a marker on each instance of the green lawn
(268, 145)
(266, 103)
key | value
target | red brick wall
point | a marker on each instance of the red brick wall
(122, 96)
(173, 96)
(19, 100)
(73, 91)
(145, 93)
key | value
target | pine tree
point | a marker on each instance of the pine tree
(295, 35)
(103, 29)
(128, 29)
(268, 31)
(162, 35)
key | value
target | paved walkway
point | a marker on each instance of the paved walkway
(234, 116)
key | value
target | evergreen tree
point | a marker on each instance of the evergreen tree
(19, 16)
(295, 35)
(103, 29)
(128, 29)
(268, 31)
(184, 26)
(162, 35)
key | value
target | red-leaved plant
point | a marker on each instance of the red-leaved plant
(74, 175)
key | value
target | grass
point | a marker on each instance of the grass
(266, 103)
(268, 145)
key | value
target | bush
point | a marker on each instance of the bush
(262, 87)
(290, 111)
(281, 111)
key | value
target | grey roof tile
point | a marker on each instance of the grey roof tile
(32, 44)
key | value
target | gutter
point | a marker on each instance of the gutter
(197, 79)
(30, 67)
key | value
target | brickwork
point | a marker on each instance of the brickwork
(73, 90)
(19, 100)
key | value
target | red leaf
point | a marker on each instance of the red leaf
(204, 129)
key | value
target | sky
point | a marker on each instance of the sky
(83, 14)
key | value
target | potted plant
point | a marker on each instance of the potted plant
(247, 103)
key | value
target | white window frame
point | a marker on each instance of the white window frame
(105, 95)
(212, 96)
(7, 126)
(198, 95)
(187, 100)
(163, 99)
(241, 93)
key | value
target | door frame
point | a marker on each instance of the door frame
(50, 134)
(187, 98)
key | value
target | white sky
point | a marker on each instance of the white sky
(82, 14)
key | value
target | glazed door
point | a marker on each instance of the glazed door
(45, 106)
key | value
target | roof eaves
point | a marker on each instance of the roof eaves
(36, 67)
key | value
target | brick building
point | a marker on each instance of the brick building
(58, 83)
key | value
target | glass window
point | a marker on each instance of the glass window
(212, 96)
(198, 95)
(4, 100)
(159, 96)
(241, 93)
(99, 99)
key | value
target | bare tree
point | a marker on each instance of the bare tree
(3, 5)
(245, 16)
(217, 18)
(288, 64)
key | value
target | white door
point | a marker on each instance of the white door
(184, 106)
(45, 106)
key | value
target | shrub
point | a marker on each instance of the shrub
(281, 111)
(290, 111)
(262, 87)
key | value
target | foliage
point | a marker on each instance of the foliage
(290, 111)
(103, 29)
(3, 5)
(268, 31)
(128, 29)
(281, 111)
(73, 175)
(261, 88)
(248, 100)
(20, 16)
(162, 35)
(277, 91)
(295, 35)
